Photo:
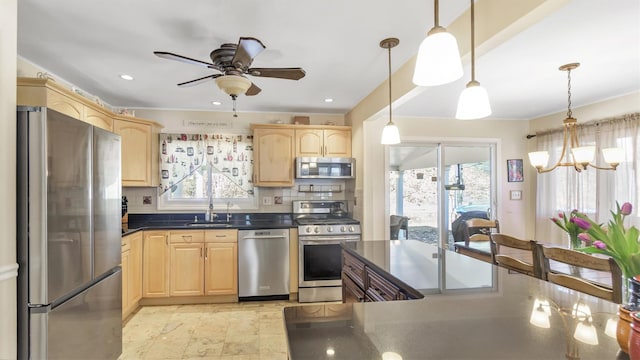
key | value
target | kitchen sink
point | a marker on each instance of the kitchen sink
(210, 225)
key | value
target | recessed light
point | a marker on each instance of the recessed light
(216, 103)
(328, 100)
(126, 77)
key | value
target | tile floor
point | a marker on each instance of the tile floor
(242, 331)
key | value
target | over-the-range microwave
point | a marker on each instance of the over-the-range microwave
(325, 168)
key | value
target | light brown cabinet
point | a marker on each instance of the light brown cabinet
(131, 272)
(139, 151)
(319, 142)
(221, 269)
(273, 161)
(187, 269)
(155, 281)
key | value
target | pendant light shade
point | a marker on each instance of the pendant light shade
(390, 133)
(438, 61)
(474, 100)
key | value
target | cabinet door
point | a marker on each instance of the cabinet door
(187, 269)
(221, 269)
(98, 118)
(337, 143)
(65, 104)
(274, 156)
(136, 152)
(135, 278)
(155, 281)
(309, 142)
(125, 282)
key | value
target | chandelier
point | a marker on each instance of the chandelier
(572, 154)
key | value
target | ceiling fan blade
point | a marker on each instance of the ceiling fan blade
(176, 57)
(253, 90)
(248, 48)
(281, 73)
(199, 81)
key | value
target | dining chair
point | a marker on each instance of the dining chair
(476, 234)
(584, 263)
(516, 254)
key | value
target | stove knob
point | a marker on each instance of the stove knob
(330, 229)
(308, 229)
(343, 228)
(316, 229)
(351, 229)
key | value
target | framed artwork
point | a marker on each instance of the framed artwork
(514, 170)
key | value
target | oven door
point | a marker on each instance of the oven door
(320, 260)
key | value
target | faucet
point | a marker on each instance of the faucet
(228, 213)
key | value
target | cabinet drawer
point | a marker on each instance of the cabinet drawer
(380, 288)
(224, 236)
(186, 236)
(126, 244)
(354, 268)
(350, 291)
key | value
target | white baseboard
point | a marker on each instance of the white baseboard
(8, 271)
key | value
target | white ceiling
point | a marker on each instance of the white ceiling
(91, 43)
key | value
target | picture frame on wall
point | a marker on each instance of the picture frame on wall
(515, 172)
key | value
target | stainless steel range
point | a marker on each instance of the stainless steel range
(322, 227)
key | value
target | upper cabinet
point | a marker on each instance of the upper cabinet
(139, 150)
(273, 155)
(323, 142)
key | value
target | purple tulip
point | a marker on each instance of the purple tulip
(599, 244)
(626, 209)
(584, 237)
(583, 224)
(561, 215)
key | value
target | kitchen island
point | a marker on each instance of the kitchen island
(512, 317)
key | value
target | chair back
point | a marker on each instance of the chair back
(582, 260)
(479, 229)
(516, 254)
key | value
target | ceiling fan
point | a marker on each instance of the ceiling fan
(233, 61)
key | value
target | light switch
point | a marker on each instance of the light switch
(515, 195)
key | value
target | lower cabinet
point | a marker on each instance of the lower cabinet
(221, 269)
(131, 272)
(155, 269)
(187, 269)
(363, 283)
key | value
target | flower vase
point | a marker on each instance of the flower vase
(574, 241)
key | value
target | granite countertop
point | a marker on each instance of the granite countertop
(472, 320)
(245, 221)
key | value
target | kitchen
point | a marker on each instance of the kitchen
(365, 190)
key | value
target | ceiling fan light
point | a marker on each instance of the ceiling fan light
(438, 61)
(613, 155)
(473, 102)
(539, 159)
(583, 154)
(233, 84)
(390, 134)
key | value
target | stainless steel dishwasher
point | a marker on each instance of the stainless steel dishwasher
(263, 264)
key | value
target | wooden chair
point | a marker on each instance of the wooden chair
(516, 254)
(476, 238)
(586, 261)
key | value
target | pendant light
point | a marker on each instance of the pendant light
(438, 60)
(390, 133)
(474, 100)
(578, 157)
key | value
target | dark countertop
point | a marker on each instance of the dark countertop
(246, 221)
(475, 319)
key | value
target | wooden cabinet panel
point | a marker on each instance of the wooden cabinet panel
(135, 274)
(354, 268)
(323, 142)
(155, 281)
(136, 152)
(186, 236)
(221, 269)
(380, 288)
(350, 291)
(222, 236)
(98, 118)
(273, 156)
(293, 260)
(125, 282)
(187, 269)
(64, 104)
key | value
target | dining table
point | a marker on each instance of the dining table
(470, 310)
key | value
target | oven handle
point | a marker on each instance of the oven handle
(327, 239)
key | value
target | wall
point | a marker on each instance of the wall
(8, 266)
(184, 121)
(510, 136)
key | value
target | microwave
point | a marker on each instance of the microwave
(325, 168)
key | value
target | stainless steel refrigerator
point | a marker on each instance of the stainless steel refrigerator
(69, 238)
